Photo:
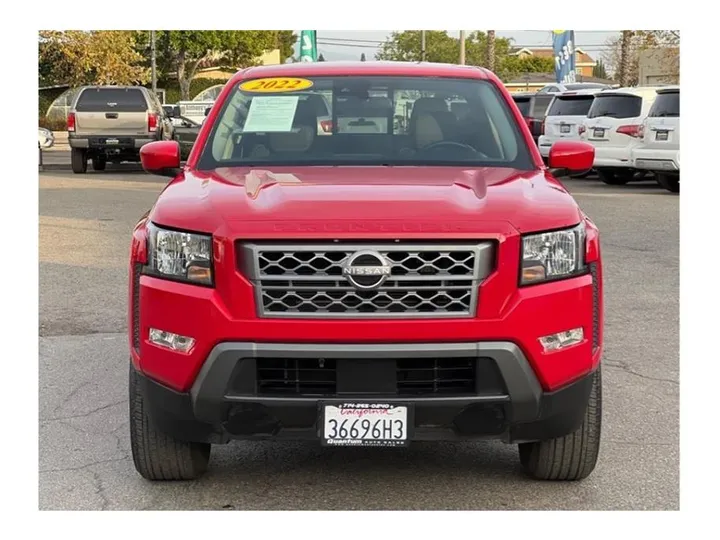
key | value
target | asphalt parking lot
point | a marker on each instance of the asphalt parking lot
(84, 453)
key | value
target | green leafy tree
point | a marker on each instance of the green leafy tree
(441, 47)
(321, 58)
(77, 57)
(512, 66)
(187, 50)
(599, 70)
(286, 40)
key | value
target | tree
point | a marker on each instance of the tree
(321, 58)
(599, 70)
(490, 62)
(362, 57)
(441, 47)
(512, 66)
(187, 50)
(667, 42)
(286, 40)
(79, 57)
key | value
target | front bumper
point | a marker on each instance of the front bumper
(226, 401)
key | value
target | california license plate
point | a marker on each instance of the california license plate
(564, 128)
(661, 136)
(598, 133)
(111, 141)
(365, 424)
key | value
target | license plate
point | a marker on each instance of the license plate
(111, 141)
(598, 133)
(365, 424)
(564, 128)
(661, 136)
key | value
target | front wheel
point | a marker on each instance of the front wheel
(572, 457)
(671, 183)
(157, 455)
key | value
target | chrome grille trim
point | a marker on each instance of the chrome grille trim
(305, 280)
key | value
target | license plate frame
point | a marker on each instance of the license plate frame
(112, 141)
(564, 128)
(662, 135)
(598, 133)
(356, 408)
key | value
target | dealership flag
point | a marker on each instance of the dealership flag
(564, 55)
(308, 46)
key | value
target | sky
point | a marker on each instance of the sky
(339, 45)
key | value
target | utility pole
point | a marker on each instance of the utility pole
(624, 53)
(462, 47)
(152, 62)
(422, 45)
(491, 50)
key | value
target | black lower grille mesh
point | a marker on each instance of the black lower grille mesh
(296, 376)
(436, 376)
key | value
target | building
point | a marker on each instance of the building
(584, 63)
(659, 66)
(532, 82)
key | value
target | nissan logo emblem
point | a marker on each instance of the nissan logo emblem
(366, 269)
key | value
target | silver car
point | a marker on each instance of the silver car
(46, 139)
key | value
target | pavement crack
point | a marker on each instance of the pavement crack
(100, 490)
(98, 409)
(72, 394)
(83, 467)
(622, 366)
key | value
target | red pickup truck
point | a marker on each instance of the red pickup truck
(380, 284)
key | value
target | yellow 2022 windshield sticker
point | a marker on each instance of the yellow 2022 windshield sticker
(276, 84)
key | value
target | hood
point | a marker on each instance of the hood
(364, 202)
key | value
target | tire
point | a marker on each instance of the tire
(157, 455)
(99, 164)
(671, 183)
(584, 174)
(574, 456)
(78, 160)
(611, 178)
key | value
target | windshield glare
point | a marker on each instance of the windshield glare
(366, 121)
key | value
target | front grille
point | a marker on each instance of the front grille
(296, 376)
(436, 376)
(424, 280)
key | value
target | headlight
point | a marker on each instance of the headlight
(553, 255)
(180, 255)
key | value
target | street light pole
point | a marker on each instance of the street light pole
(462, 47)
(152, 62)
(422, 45)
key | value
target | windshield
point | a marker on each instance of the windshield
(666, 104)
(571, 106)
(356, 120)
(616, 106)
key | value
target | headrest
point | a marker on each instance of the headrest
(429, 105)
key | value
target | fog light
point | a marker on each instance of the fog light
(561, 340)
(172, 341)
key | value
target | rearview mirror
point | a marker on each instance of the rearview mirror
(571, 156)
(161, 158)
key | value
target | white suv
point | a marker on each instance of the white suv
(564, 117)
(659, 149)
(613, 127)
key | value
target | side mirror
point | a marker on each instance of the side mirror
(207, 110)
(175, 111)
(161, 158)
(571, 156)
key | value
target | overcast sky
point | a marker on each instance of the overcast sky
(591, 41)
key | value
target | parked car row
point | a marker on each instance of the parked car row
(635, 130)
